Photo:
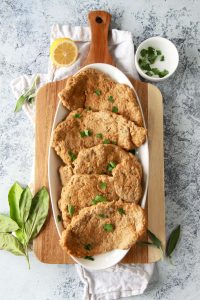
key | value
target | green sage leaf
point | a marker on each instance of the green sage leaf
(20, 102)
(7, 224)
(173, 240)
(10, 243)
(154, 239)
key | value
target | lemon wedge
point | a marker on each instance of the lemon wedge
(63, 52)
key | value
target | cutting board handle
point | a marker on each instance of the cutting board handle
(99, 23)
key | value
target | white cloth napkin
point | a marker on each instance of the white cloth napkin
(121, 280)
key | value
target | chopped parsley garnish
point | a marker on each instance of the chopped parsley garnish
(85, 133)
(107, 141)
(77, 116)
(148, 58)
(103, 216)
(98, 199)
(162, 58)
(111, 166)
(97, 92)
(89, 257)
(59, 218)
(121, 211)
(111, 99)
(115, 109)
(70, 209)
(72, 155)
(99, 135)
(108, 227)
(103, 185)
(88, 247)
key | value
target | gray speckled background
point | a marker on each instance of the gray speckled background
(24, 40)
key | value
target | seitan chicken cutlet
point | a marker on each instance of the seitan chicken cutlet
(113, 161)
(92, 88)
(83, 191)
(85, 129)
(104, 227)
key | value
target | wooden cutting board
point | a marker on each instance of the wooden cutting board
(46, 245)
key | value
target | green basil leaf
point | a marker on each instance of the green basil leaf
(115, 109)
(173, 240)
(25, 204)
(70, 209)
(7, 224)
(111, 165)
(103, 185)
(154, 239)
(13, 199)
(38, 214)
(20, 102)
(10, 243)
(72, 155)
(20, 236)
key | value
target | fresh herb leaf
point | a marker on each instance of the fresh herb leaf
(162, 58)
(144, 64)
(99, 135)
(149, 73)
(158, 52)
(13, 199)
(111, 165)
(111, 99)
(77, 116)
(89, 257)
(38, 214)
(156, 71)
(25, 204)
(10, 243)
(107, 141)
(163, 73)
(143, 52)
(88, 247)
(172, 241)
(7, 224)
(98, 199)
(115, 109)
(154, 239)
(72, 155)
(70, 209)
(85, 133)
(29, 95)
(108, 227)
(59, 218)
(121, 211)
(102, 216)
(103, 185)
(97, 92)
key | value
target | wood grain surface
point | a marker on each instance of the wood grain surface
(46, 245)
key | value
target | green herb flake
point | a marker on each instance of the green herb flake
(70, 209)
(99, 135)
(148, 73)
(108, 227)
(99, 199)
(115, 109)
(163, 73)
(158, 52)
(103, 185)
(88, 247)
(59, 218)
(111, 166)
(172, 241)
(107, 141)
(85, 133)
(102, 216)
(143, 52)
(89, 257)
(72, 155)
(121, 211)
(111, 99)
(77, 116)
(162, 58)
(97, 92)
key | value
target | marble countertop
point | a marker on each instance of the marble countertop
(24, 39)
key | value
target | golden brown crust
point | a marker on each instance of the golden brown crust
(79, 92)
(88, 228)
(114, 127)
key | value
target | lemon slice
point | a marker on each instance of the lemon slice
(63, 52)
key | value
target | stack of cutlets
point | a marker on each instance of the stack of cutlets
(102, 180)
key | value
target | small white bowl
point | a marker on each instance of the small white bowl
(169, 51)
